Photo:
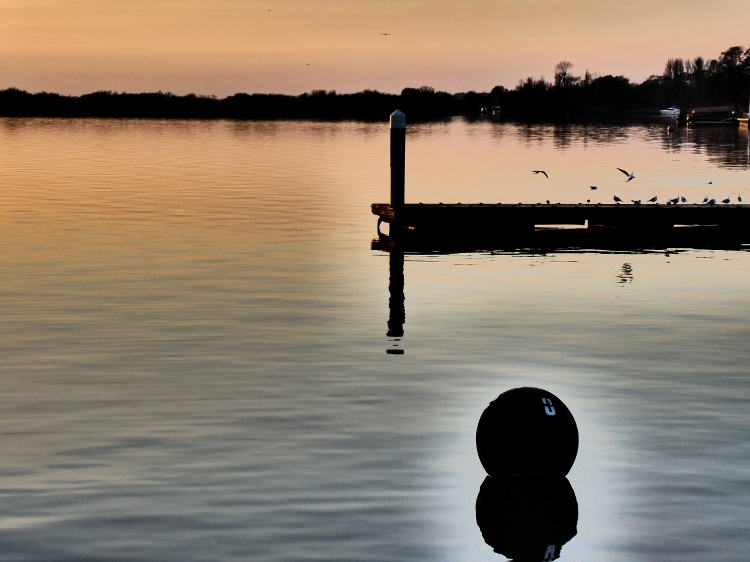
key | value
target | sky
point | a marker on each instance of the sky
(221, 47)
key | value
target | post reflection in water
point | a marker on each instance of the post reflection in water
(396, 302)
(527, 520)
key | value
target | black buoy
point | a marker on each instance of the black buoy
(527, 520)
(527, 432)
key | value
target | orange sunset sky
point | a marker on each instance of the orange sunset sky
(226, 46)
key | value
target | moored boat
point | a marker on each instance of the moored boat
(673, 111)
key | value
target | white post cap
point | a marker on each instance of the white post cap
(398, 120)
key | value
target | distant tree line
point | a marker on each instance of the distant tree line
(689, 84)
(421, 104)
(685, 83)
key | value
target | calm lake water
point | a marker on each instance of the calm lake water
(193, 344)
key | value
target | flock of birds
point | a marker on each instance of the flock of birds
(654, 199)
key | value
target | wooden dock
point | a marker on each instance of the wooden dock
(502, 218)
(723, 223)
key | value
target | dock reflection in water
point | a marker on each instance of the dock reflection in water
(527, 521)
(542, 241)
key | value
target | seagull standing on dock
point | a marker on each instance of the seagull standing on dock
(636, 201)
(631, 175)
(540, 172)
(712, 202)
(705, 199)
(654, 199)
(617, 199)
(727, 201)
(739, 198)
(683, 199)
(674, 201)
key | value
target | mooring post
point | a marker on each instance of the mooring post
(398, 157)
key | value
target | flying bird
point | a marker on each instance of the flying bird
(653, 199)
(385, 34)
(636, 201)
(540, 172)
(631, 176)
(593, 187)
(617, 199)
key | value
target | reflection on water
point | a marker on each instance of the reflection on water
(396, 301)
(527, 520)
(626, 273)
(192, 330)
(722, 145)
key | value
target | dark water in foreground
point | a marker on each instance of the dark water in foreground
(193, 335)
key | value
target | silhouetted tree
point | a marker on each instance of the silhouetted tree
(611, 92)
(729, 75)
(675, 81)
(563, 77)
(696, 72)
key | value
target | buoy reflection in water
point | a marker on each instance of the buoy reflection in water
(527, 520)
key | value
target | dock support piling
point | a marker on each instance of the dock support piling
(398, 157)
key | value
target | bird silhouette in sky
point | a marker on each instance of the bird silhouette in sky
(385, 34)
(540, 172)
(593, 188)
(617, 199)
(631, 175)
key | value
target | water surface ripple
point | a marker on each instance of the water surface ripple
(193, 335)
